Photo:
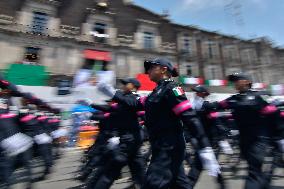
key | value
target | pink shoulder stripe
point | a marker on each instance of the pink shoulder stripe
(8, 115)
(41, 118)
(213, 115)
(106, 115)
(27, 118)
(114, 105)
(54, 121)
(140, 113)
(269, 109)
(5, 82)
(143, 100)
(181, 107)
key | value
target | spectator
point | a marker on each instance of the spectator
(80, 112)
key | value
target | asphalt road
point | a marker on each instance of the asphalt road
(63, 174)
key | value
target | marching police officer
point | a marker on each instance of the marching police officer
(210, 119)
(213, 128)
(31, 126)
(11, 139)
(13, 143)
(251, 112)
(165, 108)
(125, 145)
(97, 152)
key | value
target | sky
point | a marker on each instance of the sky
(245, 18)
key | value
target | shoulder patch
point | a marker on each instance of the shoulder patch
(266, 98)
(178, 91)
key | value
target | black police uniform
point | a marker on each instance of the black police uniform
(124, 121)
(54, 125)
(31, 126)
(250, 112)
(214, 130)
(96, 154)
(46, 124)
(274, 122)
(164, 108)
(9, 130)
(28, 122)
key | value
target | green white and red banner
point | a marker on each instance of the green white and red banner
(191, 81)
(259, 85)
(148, 85)
(216, 82)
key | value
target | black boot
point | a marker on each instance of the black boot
(82, 176)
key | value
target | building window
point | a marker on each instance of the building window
(39, 24)
(213, 73)
(231, 53)
(95, 65)
(210, 49)
(122, 68)
(148, 40)
(100, 32)
(186, 43)
(248, 56)
(31, 55)
(189, 70)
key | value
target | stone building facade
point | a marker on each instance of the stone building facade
(65, 35)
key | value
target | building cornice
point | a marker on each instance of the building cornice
(48, 2)
(148, 21)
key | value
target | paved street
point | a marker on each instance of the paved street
(62, 178)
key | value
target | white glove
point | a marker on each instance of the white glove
(113, 142)
(16, 144)
(42, 139)
(209, 161)
(234, 132)
(281, 145)
(106, 89)
(61, 132)
(89, 101)
(89, 114)
(225, 147)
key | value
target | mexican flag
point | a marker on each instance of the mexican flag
(178, 91)
(258, 86)
(191, 81)
(216, 82)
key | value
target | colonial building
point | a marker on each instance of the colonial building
(65, 35)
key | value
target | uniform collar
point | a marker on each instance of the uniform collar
(162, 81)
(245, 92)
(130, 93)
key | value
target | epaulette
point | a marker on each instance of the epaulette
(24, 111)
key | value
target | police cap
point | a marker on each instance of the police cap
(200, 89)
(238, 76)
(134, 81)
(162, 62)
